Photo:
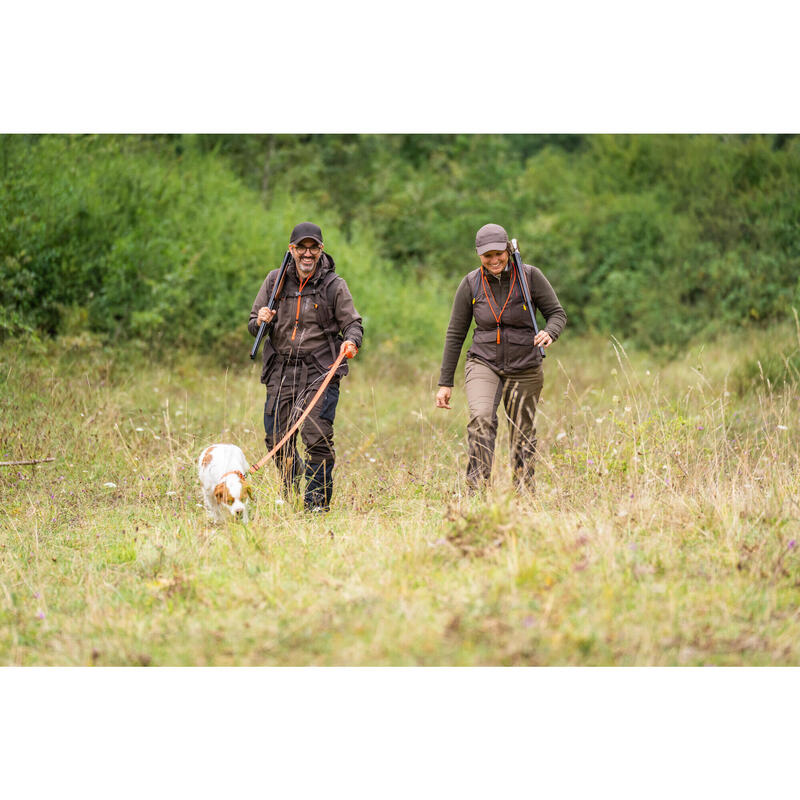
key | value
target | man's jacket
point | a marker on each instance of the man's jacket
(310, 325)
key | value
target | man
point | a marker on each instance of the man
(314, 319)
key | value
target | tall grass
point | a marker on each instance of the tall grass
(663, 529)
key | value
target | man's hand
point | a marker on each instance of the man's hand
(349, 349)
(265, 315)
(542, 338)
(443, 397)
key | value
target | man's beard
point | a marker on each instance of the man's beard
(304, 272)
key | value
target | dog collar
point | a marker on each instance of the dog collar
(233, 472)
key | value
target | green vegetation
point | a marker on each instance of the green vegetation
(665, 523)
(129, 238)
(664, 528)
(165, 239)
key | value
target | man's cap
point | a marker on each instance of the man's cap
(491, 237)
(305, 230)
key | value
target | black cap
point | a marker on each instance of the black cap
(305, 230)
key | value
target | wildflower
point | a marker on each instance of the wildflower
(279, 501)
(700, 427)
(140, 429)
(560, 436)
(372, 461)
(110, 485)
(36, 595)
(792, 544)
(782, 428)
(40, 615)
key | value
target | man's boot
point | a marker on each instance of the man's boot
(319, 487)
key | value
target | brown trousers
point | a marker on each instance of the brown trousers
(519, 391)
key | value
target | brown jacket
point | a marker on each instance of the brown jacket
(515, 351)
(326, 317)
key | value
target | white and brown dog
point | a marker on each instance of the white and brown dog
(222, 469)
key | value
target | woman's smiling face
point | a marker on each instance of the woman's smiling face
(495, 261)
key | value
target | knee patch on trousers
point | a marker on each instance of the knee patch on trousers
(329, 403)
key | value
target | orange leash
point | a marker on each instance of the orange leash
(257, 466)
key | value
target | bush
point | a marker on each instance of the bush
(166, 239)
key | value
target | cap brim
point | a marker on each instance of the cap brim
(295, 241)
(485, 248)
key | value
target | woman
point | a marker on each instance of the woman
(504, 360)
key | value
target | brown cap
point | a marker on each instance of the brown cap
(305, 230)
(491, 237)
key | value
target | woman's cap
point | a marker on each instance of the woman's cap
(306, 230)
(491, 237)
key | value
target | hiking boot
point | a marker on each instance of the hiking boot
(319, 487)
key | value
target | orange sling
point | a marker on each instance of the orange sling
(487, 292)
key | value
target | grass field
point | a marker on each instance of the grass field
(663, 530)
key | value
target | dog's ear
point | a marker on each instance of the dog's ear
(219, 492)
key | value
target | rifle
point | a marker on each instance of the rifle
(265, 328)
(526, 292)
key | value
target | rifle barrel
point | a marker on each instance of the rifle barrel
(264, 328)
(526, 293)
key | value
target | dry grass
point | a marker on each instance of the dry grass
(663, 529)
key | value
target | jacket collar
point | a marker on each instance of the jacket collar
(503, 277)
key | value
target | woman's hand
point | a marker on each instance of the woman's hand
(443, 397)
(265, 315)
(542, 339)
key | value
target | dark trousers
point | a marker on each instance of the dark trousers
(286, 400)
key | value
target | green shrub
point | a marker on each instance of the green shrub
(166, 239)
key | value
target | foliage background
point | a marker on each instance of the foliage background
(165, 239)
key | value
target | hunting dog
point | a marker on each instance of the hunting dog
(222, 469)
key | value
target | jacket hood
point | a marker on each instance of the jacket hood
(325, 265)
